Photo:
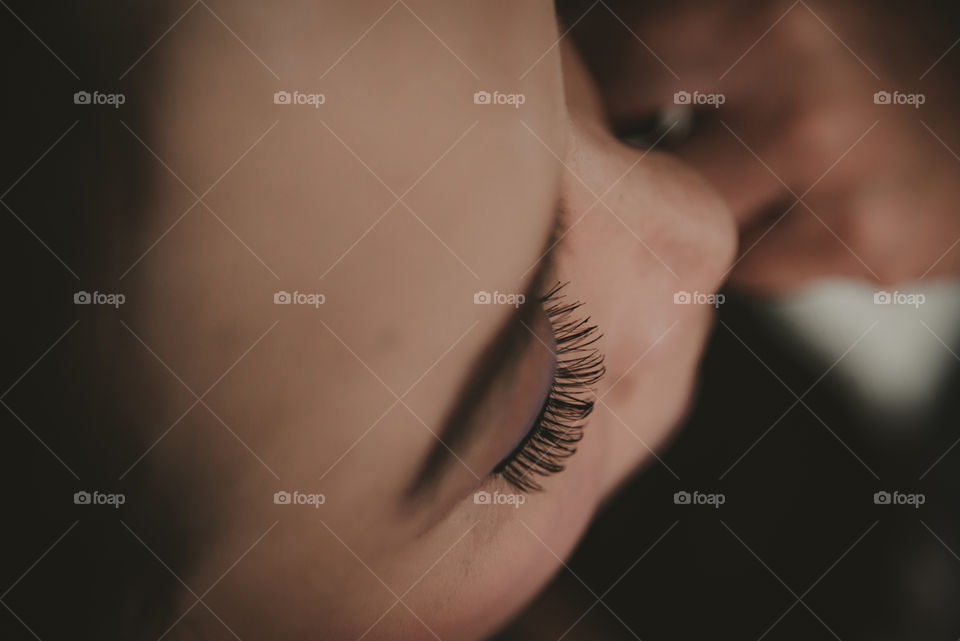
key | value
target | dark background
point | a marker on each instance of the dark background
(799, 518)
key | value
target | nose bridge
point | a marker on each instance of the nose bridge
(681, 221)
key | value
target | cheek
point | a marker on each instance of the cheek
(507, 556)
(655, 374)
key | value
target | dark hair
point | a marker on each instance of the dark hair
(76, 184)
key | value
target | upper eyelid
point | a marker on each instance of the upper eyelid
(558, 428)
(461, 425)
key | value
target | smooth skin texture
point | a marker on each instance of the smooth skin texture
(313, 398)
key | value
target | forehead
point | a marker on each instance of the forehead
(397, 196)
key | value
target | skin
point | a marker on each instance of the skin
(882, 209)
(313, 400)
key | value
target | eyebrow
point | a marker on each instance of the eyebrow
(501, 355)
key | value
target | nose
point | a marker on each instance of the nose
(676, 226)
(649, 243)
(680, 231)
(696, 229)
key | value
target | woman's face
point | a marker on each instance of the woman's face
(399, 398)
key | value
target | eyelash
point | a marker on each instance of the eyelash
(559, 426)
